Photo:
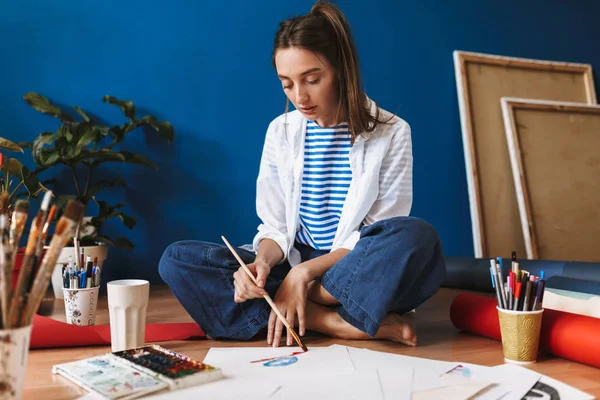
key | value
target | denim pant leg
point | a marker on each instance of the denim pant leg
(396, 265)
(200, 275)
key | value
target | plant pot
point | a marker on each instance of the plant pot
(100, 251)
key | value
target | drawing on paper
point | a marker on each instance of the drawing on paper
(281, 361)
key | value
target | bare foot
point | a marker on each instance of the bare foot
(399, 328)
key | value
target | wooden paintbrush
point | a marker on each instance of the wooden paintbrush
(5, 267)
(27, 267)
(289, 328)
(65, 229)
(19, 219)
(17, 225)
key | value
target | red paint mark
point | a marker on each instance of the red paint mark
(275, 358)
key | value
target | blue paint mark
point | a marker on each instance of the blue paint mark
(281, 361)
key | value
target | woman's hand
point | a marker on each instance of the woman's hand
(291, 301)
(245, 289)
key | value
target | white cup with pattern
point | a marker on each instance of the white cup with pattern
(80, 305)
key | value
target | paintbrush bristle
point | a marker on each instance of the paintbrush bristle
(46, 200)
(74, 210)
(297, 339)
(22, 206)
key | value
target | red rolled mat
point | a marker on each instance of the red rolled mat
(571, 336)
(49, 333)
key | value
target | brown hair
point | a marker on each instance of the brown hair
(325, 31)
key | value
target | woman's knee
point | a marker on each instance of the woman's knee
(407, 232)
(179, 254)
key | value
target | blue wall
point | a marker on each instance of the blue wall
(205, 66)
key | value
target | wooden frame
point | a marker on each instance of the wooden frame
(481, 81)
(554, 151)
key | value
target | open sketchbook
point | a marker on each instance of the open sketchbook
(137, 372)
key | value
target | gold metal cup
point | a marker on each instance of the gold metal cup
(520, 335)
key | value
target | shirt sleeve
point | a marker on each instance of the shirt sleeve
(270, 201)
(395, 183)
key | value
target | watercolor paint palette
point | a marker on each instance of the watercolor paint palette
(137, 372)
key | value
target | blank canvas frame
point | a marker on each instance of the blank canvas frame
(482, 80)
(554, 151)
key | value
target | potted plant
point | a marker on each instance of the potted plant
(84, 145)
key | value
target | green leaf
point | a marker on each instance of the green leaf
(96, 187)
(125, 105)
(106, 155)
(30, 180)
(135, 158)
(97, 157)
(146, 120)
(82, 113)
(165, 130)
(14, 167)
(118, 134)
(44, 138)
(126, 219)
(43, 105)
(89, 135)
(25, 145)
(49, 158)
(38, 152)
(6, 144)
(104, 210)
(47, 182)
(121, 242)
(102, 130)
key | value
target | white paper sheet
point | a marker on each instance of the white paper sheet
(236, 362)
(459, 390)
(513, 381)
(223, 389)
(396, 383)
(356, 385)
(426, 374)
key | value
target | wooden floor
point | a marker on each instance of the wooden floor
(438, 339)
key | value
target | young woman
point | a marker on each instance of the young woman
(336, 248)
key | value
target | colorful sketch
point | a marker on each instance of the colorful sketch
(281, 361)
(460, 370)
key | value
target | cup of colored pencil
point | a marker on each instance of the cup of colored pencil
(20, 301)
(81, 285)
(520, 311)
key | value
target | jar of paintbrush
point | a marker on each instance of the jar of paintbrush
(20, 302)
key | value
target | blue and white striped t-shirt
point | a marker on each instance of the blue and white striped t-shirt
(325, 182)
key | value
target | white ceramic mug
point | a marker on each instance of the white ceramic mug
(80, 305)
(127, 304)
(14, 349)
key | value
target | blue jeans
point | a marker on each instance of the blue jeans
(396, 265)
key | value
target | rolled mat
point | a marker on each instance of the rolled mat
(474, 274)
(566, 335)
(49, 333)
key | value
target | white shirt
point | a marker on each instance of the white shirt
(381, 187)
